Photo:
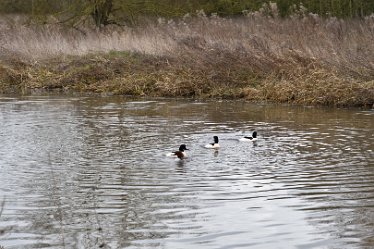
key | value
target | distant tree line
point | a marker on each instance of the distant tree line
(120, 11)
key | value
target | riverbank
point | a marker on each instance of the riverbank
(304, 59)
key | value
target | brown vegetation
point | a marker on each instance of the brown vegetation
(301, 59)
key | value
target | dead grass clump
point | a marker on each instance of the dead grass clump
(10, 79)
(320, 88)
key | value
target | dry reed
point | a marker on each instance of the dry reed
(255, 56)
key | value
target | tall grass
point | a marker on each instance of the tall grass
(243, 50)
(267, 42)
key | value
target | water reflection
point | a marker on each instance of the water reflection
(92, 173)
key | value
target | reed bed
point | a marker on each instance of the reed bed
(304, 58)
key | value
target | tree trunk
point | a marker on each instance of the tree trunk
(101, 12)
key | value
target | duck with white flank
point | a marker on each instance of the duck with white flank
(181, 154)
(214, 145)
(249, 138)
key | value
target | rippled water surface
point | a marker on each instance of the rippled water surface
(83, 172)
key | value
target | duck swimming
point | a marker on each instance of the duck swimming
(214, 145)
(249, 138)
(181, 154)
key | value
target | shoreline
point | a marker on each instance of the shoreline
(141, 75)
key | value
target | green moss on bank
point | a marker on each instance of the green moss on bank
(122, 73)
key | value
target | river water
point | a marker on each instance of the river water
(91, 172)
